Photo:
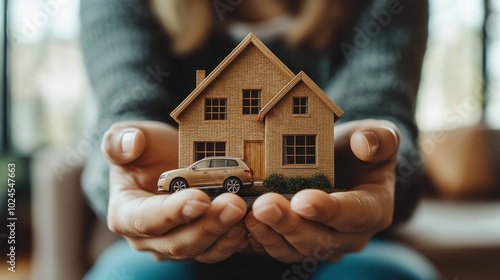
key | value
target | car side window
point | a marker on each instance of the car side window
(218, 163)
(232, 163)
(203, 164)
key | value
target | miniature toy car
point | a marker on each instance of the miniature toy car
(230, 173)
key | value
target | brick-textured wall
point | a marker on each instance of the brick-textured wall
(250, 70)
(280, 121)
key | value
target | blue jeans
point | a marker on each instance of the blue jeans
(381, 259)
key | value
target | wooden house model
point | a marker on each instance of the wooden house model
(253, 107)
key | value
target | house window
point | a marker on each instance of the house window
(299, 149)
(300, 106)
(215, 108)
(209, 149)
(251, 101)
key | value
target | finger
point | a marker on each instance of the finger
(255, 245)
(191, 240)
(309, 238)
(375, 144)
(226, 245)
(156, 143)
(365, 140)
(136, 213)
(264, 237)
(367, 208)
(123, 144)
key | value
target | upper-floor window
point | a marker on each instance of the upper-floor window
(251, 101)
(216, 109)
(300, 106)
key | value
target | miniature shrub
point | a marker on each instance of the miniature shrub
(282, 184)
(297, 183)
(320, 181)
(275, 183)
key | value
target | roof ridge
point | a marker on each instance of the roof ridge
(301, 76)
(250, 38)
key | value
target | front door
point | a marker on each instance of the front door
(254, 157)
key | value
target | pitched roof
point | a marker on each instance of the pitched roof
(311, 85)
(250, 38)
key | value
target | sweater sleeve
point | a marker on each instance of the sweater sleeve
(123, 49)
(379, 79)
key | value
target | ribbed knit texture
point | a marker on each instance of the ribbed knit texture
(123, 45)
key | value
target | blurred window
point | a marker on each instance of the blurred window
(50, 100)
(450, 90)
(493, 65)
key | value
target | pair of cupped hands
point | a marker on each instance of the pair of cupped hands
(188, 225)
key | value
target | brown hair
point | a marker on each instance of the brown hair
(318, 23)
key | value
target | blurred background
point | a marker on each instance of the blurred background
(47, 112)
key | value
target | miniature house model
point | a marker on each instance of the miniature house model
(253, 107)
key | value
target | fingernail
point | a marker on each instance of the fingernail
(231, 214)
(372, 141)
(307, 210)
(234, 232)
(271, 214)
(260, 230)
(127, 143)
(194, 208)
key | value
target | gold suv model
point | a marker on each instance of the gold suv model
(230, 173)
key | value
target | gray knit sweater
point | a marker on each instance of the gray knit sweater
(374, 74)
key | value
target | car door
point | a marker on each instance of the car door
(218, 171)
(199, 174)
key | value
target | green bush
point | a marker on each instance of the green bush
(297, 183)
(320, 181)
(282, 184)
(275, 183)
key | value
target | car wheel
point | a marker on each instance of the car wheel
(232, 185)
(178, 185)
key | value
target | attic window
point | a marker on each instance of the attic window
(251, 101)
(300, 106)
(216, 109)
(299, 149)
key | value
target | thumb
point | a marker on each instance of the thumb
(122, 145)
(376, 143)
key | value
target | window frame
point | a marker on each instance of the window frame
(252, 109)
(206, 152)
(294, 146)
(221, 115)
(300, 106)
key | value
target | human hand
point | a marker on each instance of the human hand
(184, 225)
(326, 226)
